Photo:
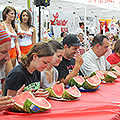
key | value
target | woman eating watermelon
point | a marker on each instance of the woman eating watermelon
(50, 75)
(28, 72)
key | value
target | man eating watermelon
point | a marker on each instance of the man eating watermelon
(94, 59)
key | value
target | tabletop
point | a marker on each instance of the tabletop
(102, 104)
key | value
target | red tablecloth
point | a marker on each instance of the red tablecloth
(103, 104)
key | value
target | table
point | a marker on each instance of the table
(103, 104)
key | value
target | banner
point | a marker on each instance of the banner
(60, 22)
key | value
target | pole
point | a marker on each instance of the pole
(85, 28)
(39, 23)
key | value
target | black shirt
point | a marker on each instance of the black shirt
(65, 67)
(19, 76)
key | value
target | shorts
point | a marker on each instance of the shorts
(12, 53)
(25, 49)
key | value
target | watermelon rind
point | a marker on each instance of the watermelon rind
(115, 68)
(17, 107)
(95, 73)
(67, 95)
(88, 86)
(73, 82)
(52, 93)
(31, 107)
(109, 78)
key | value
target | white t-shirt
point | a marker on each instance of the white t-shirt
(79, 30)
(93, 63)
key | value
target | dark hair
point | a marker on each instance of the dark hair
(62, 34)
(98, 39)
(81, 23)
(29, 17)
(41, 49)
(55, 45)
(6, 11)
(117, 47)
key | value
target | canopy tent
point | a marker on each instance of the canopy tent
(101, 10)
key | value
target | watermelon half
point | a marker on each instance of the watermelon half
(56, 90)
(99, 73)
(36, 105)
(116, 68)
(110, 77)
(92, 82)
(71, 93)
(20, 100)
(77, 81)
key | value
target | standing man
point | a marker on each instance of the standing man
(69, 67)
(94, 59)
(80, 29)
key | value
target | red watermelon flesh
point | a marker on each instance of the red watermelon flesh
(79, 79)
(94, 80)
(36, 105)
(74, 91)
(41, 101)
(99, 73)
(57, 90)
(20, 99)
(116, 68)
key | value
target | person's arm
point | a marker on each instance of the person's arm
(18, 49)
(74, 72)
(2, 25)
(33, 36)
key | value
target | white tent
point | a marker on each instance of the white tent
(101, 10)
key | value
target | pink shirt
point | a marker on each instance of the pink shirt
(113, 59)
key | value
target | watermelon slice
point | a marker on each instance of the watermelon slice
(92, 82)
(56, 90)
(20, 100)
(110, 77)
(72, 93)
(99, 73)
(36, 105)
(116, 68)
(77, 81)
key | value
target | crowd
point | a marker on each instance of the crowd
(44, 64)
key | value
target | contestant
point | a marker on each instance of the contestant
(26, 32)
(114, 58)
(28, 71)
(50, 75)
(5, 46)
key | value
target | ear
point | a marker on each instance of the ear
(35, 57)
(65, 46)
(97, 45)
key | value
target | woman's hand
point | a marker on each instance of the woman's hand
(41, 93)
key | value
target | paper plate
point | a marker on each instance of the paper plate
(81, 89)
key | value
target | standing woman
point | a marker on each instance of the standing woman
(9, 14)
(50, 75)
(26, 32)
